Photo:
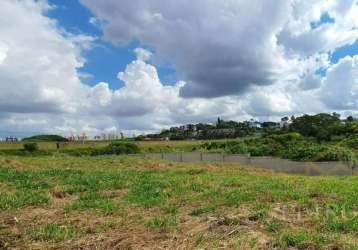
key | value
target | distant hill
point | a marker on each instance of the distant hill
(46, 138)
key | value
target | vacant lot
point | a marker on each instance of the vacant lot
(131, 203)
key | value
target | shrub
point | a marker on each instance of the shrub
(238, 148)
(31, 147)
(115, 148)
(322, 153)
(118, 148)
(352, 143)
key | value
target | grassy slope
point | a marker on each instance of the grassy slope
(107, 202)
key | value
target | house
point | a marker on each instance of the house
(285, 122)
(188, 128)
(12, 139)
(255, 124)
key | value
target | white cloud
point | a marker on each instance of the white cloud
(249, 58)
(225, 47)
(212, 44)
(298, 35)
(340, 88)
(310, 81)
(143, 54)
(40, 70)
(3, 52)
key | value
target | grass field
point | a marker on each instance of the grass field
(146, 146)
(132, 203)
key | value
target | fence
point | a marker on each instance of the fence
(276, 164)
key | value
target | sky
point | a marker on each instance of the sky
(137, 66)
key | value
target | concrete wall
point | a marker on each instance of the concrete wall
(276, 164)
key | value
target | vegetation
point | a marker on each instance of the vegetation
(31, 147)
(127, 202)
(221, 130)
(321, 137)
(290, 146)
(114, 148)
(45, 138)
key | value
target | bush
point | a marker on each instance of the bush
(115, 148)
(31, 147)
(322, 153)
(352, 143)
(118, 148)
(238, 148)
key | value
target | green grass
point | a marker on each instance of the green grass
(202, 210)
(52, 232)
(74, 198)
(162, 222)
(293, 239)
(96, 201)
(21, 199)
(273, 225)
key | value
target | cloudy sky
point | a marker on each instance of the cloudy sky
(136, 65)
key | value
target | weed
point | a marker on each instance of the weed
(259, 211)
(147, 191)
(197, 171)
(162, 222)
(345, 225)
(53, 232)
(273, 226)
(94, 200)
(202, 210)
(20, 199)
(292, 239)
(170, 209)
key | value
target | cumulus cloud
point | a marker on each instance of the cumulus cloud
(3, 52)
(218, 47)
(224, 47)
(340, 87)
(143, 54)
(299, 36)
(39, 65)
(235, 59)
(310, 81)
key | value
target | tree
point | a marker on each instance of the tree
(320, 126)
(350, 119)
(31, 147)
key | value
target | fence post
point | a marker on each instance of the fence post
(162, 155)
(181, 156)
(353, 167)
(223, 156)
(201, 156)
(249, 158)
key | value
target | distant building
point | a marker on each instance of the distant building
(255, 124)
(153, 139)
(12, 139)
(187, 128)
(108, 137)
(224, 130)
(285, 122)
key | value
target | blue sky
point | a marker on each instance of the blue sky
(105, 60)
